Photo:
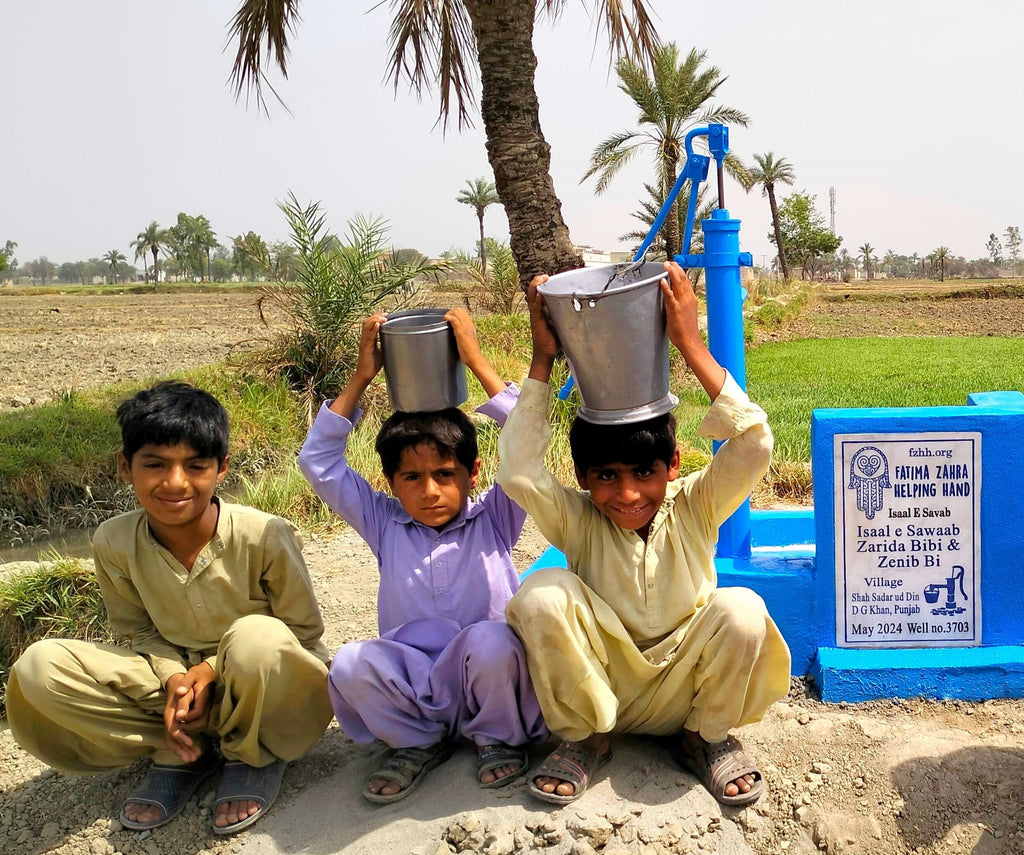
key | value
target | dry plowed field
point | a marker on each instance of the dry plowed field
(55, 342)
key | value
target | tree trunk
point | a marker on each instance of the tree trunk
(156, 270)
(670, 233)
(518, 153)
(778, 231)
(483, 249)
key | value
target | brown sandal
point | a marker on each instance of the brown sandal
(716, 764)
(573, 762)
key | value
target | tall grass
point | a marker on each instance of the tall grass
(58, 461)
(59, 598)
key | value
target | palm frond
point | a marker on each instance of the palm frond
(609, 157)
(339, 283)
(432, 40)
(256, 22)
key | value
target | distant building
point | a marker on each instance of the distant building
(597, 257)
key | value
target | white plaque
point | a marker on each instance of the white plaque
(907, 509)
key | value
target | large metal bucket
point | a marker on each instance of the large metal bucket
(421, 361)
(613, 334)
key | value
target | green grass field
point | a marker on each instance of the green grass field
(793, 378)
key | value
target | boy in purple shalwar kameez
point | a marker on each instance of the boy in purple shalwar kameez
(446, 664)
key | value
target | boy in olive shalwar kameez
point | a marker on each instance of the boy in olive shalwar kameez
(635, 636)
(224, 628)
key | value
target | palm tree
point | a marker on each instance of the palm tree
(865, 253)
(890, 261)
(941, 255)
(151, 239)
(339, 283)
(479, 193)
(651, 207)
(114, 257)
(768, 173)
(438, 41)
(673, 99)
(140, 252)
(203, 239)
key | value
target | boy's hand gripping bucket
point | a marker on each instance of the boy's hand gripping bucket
(611, 323)
(421, 361)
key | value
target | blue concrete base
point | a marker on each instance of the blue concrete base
(965, 673)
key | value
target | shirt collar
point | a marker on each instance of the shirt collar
(216, 545)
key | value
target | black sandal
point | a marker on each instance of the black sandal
(242, 783)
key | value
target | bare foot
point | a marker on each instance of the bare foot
(598, 742)
(383, 787)
(735, 787)
(137, 812)
(232, 812)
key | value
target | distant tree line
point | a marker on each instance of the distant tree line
(189, 250)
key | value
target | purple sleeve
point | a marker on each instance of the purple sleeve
(501, 404)
(507, 515)
(322, 461)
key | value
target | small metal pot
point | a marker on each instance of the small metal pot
(421, 361)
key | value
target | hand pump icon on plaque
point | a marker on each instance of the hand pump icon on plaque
(931, 593)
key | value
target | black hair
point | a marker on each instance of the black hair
(450, 432)
(170, 413)
(637, 443)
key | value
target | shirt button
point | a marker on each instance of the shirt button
(650, 586)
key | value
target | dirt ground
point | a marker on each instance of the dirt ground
(886, 778)
(54, 343)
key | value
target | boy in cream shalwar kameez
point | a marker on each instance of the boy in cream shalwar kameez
(635, 636)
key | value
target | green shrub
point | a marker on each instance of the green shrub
(58, 598)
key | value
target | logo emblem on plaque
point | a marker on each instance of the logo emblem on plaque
(869, 476)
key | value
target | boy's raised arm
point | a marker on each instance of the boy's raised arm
(684, 333)
(471, 354)
(561, 514)
(322, 457)
(368, 365)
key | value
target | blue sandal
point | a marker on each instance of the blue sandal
(169, 788)
(241, 783)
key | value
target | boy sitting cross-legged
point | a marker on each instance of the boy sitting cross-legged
(224, 627)
(446, 664)
(635, 636)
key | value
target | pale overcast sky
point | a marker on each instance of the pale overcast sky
(117, 112)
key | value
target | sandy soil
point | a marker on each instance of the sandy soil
(895, 777)
(999, 316)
